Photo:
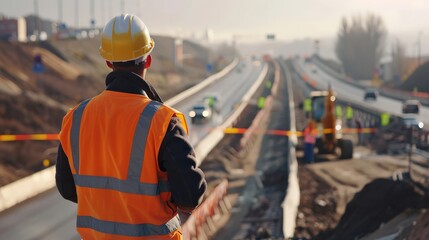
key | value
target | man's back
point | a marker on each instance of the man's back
(124, 156)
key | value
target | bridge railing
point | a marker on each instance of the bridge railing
(419, 168)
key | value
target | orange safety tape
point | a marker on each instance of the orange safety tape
(43, 137)
(298, 133)
(22, 137)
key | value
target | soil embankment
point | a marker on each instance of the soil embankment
(33, 103)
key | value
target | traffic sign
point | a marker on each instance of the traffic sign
(38, 66)
(271, 36)
(209, 67)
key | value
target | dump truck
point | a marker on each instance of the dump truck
(330, 138)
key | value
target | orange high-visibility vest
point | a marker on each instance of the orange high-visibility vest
(310, 135)
(112, 143)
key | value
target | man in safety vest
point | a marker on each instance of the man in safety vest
(385, 119)
(309, 134)
(124, 156)
(339, 111)
(307, 107)
(349, 115)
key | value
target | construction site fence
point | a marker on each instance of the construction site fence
(200, 223)
(419, 167)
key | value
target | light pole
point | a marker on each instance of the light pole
(316, 47)
(76, 19)
(410, 152)
(60, 11)
(122, 6)
(92, 12)
(419, 43)
(110, 9)
(37, 19)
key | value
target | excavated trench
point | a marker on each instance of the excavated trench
(257, 178)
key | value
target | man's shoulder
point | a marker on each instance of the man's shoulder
(170, 108)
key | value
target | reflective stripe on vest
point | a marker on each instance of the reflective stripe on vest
(385, 119)
(339, 111)
(75, 132)
(349, 112)
(131, 230)
(131, 185)
(307, 105)
(125, 186)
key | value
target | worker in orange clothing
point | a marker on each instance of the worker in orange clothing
(124, 156)
(310, 134)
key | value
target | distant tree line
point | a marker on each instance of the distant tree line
(360, 45)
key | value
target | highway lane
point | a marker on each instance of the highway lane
(49, 217)
(349, 92)
(230, 89)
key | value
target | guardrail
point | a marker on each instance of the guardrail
(211, 79)
(388, 92)
(202, 217)
(370, 115)
(419, 168)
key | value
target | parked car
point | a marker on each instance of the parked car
(411, 106)
(200, 112)
(370, 94)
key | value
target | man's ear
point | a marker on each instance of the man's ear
(148, 61)
(109, 64)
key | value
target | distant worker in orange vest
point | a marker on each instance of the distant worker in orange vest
(310, 134)
(124, 156)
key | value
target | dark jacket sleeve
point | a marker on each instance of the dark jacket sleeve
(64, 178)
(177, 157)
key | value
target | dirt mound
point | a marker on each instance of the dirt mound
(377, 203)
(34, 103)
(418, 79)
(317, 205)
(420, 230)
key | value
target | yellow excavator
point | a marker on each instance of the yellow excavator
(330, 138)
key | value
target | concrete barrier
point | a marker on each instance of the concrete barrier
(292, 198)
(397, 94)
(211, 79)
(26, 188)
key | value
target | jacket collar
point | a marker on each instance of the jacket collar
(129, 82)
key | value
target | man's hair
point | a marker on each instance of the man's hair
(128, 64)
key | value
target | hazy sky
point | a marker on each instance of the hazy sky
(248, 19)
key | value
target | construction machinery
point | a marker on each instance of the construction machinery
(330, 138)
